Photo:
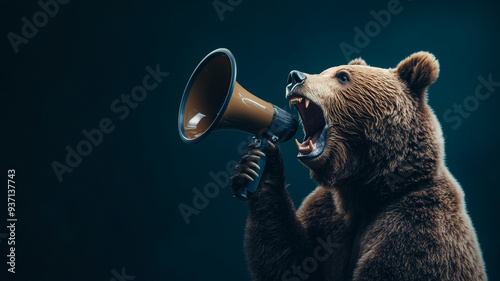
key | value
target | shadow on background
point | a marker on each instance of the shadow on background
(115, 211)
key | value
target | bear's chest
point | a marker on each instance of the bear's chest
(336, 242)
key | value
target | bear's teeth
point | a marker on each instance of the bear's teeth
(294, 101)
(297, 143)
(305, 149)
(310, 147)
(307, 102)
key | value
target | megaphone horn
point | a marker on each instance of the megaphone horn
(214, 100)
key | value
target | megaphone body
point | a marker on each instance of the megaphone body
(214, 100)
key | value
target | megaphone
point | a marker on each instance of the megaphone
(214, 100)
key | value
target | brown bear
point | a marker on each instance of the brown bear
(386, 206)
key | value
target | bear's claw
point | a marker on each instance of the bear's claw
(249, 171)
(246, 176)
(255, 157)
(246, 169)
(253, 164)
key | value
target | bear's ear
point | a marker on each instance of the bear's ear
(418, 71)
(358, 61)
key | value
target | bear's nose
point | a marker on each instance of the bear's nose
(295, 78)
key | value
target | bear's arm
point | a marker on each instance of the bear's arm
(423, 237)
(281, 242)
(275, 238)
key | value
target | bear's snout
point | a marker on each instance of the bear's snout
(295, 78)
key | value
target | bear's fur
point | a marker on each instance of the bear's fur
(386, 207)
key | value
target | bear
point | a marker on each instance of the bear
(386, 207)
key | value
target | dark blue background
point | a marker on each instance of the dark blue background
(119, 207)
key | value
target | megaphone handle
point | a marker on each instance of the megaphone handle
(253, 185)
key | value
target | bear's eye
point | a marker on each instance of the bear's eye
(343, 77)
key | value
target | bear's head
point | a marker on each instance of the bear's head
(363, 123)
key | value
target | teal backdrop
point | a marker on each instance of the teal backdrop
(113, 213)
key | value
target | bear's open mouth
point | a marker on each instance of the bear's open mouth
(315, 126)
